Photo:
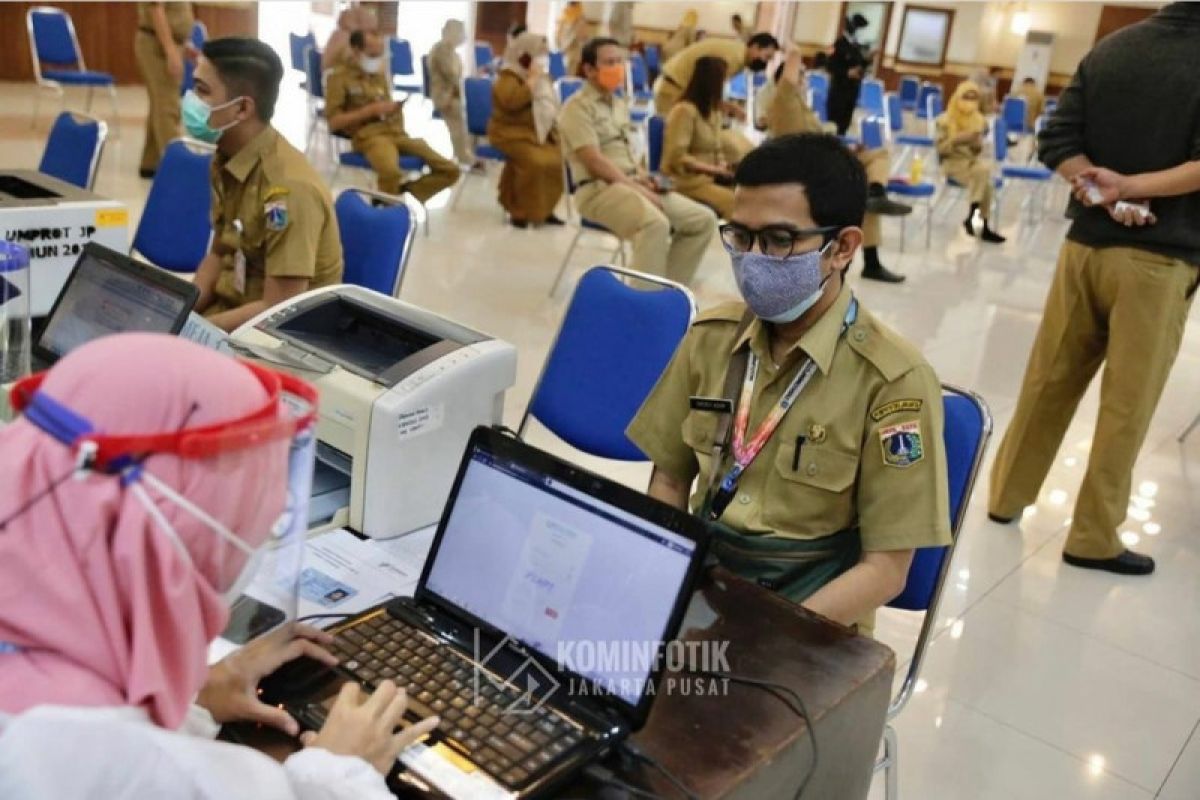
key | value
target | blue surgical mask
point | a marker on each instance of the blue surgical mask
(780, 290)
(195, 113)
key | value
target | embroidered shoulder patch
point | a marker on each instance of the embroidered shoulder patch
(276, 214)
(275, 191)
(896, 406)
(902, 445)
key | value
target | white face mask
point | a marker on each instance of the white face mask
(371, 64)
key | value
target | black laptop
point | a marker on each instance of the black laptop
(537, 628)
(108, 292)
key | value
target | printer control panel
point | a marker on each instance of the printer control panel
(437, 368)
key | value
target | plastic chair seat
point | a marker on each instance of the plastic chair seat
(849, 140)
(1026, 173)
(996, 182)
(87, 77)
(595, 226)
(921, 189)
(411, 88)
(358, 160)
(638, 114)
(914, 141)
(487, 151)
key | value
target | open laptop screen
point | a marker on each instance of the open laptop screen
(102, 298)
(575, 578)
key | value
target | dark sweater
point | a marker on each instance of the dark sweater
(1134, 106)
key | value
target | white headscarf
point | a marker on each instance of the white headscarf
(545, 101)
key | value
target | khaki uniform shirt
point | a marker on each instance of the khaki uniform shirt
(601, 120)
(445, 74)
(349, 88)
(271, 206)
(179, 19)
(966, 151)
(687, 133)
(789, 112)
(680, 67)
(512, 111)
(862, 445)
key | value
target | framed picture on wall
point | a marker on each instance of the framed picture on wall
(924, 34)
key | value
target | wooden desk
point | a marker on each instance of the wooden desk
(748, 744)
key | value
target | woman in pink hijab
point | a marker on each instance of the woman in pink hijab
(105, 621)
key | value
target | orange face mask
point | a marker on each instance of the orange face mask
(611, 77)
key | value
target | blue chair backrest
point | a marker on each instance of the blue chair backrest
(375, 241)
(870, 98)
(1013, 113)
(614, 343)
(933, 104)
(910, 90)
(483, 55)
(72, 150)
(818, 81)
(401, 57)
(735, 87)
(52, 36)
(558, 66)
(567, 87)
(313, 75)
(479, 104)
(929, 91)
(297, 44)
(820, 104)
(1000, 139)
(655, 130)
(967, 427)
(176, 223)
(871, 129)
(637, 72)
(653, 58)
(895, 112)
(198, 37)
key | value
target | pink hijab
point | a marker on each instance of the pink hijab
(101, 606)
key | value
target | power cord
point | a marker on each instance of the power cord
(782, 693)
(630, 748)
(607, 777)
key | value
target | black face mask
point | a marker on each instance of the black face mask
(757, 64)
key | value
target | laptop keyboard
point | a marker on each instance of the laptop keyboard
(511, 746)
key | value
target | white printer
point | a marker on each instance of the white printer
(400, 389)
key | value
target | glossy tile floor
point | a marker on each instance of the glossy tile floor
(1044, 681)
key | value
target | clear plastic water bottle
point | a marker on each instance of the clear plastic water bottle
(14, 312)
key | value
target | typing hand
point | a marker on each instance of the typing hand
(231, 692)
(364, 726)
(1110, 186)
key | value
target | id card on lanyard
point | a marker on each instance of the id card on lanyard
(745, 451)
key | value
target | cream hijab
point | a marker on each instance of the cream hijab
(545, 102)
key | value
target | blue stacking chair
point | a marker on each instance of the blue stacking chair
(1036, 174)
(314, 88)
(614, 342)
(52, 41)
(818, 81)
(818, 101)
(653, 59)
(1013, 111)
(929, 105)
(896, 123)
(558, 66)
(477, 94)
(567, 87)
(655, 132)
(484, 57)
(968, 427)
(585, 226)
(297, 44)
(345, 157)
(176, 224)
(910, 92)
(198, 37)
(400, 63)
(870, 98)
(377, 238)
(639, 78)
(73, 149)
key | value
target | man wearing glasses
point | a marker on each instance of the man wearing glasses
(812, 431)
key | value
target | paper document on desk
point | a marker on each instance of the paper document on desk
(201, 331)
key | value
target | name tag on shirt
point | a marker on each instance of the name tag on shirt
(239, 272)
(717, 404)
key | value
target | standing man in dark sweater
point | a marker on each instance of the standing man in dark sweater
(1126, 129)
(846, 66)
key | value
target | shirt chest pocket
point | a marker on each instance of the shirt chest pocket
(699, 433)
(811, 492)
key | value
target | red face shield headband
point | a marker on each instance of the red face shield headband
(111, 453)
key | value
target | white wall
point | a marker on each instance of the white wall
(714, 16)
(816, 23)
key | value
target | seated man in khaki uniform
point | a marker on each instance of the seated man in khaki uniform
(812, 431)
(669, 232)
(274, 231)
(788, 112)
(358, 103)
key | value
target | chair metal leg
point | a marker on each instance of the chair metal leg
(903, 233)
(116, 112)
(928, 222)
(891, 777)
(1191, 427)
(566, 259)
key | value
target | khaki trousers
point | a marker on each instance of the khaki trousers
(456, 123)
(383, 152)
(669, 241)
(976, 175)
(878, 165)
(1121, 306)
(162, 121)
(704, 189)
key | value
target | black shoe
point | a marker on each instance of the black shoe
(878, 272)
(968, 227)
(999, 519)
(553, 220)
(146, 173)
(1128, 563)
(519, 223)
(879, 203)
(989, 235)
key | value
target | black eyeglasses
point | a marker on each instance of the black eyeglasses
(777, 241)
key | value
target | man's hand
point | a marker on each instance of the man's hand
(231, 692)
(1110, 185)
(1128, 215)
(383, 108)
(855, 73)
(648, 189)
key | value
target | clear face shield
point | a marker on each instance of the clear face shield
(256, 570)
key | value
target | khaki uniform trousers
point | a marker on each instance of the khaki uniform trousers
(1121, 306)
(162, 121)
(976, 175)
(734, 144)
(383, 151)
(456, 123)
(669, 241)
(704, 189)
(878, 165)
